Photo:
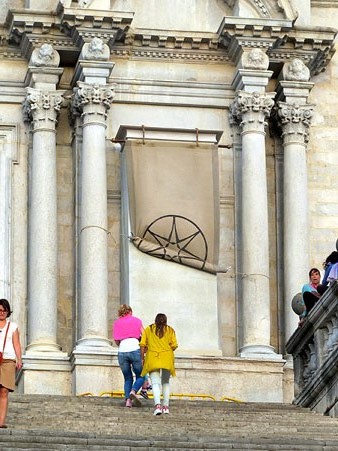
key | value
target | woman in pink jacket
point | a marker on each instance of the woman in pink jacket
(127, 330)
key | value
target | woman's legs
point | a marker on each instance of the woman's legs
(3, 404)
(136, 363)
(125, 365)
(165, 377)
(155, 377)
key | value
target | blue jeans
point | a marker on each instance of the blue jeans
(130, 362)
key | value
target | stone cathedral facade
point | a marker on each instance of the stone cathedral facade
(180, 157)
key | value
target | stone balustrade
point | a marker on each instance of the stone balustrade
(314, 348)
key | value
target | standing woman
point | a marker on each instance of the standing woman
(11, 348)
(158, 344)
(127, 330)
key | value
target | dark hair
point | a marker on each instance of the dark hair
(6, 306)
(332, 258)
(160, 324)
(312, 270)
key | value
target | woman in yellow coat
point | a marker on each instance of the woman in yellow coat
(158, 344)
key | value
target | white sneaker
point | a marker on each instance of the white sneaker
(165, 410)
(158, 409)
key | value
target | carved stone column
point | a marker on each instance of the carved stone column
(294, 116)
(252, 109)
(93, 101)
(92, 98)
(41, 109)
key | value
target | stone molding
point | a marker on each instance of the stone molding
(295, 121)
(266, 8)
(70, 28)
(279, 39)
(42, 109)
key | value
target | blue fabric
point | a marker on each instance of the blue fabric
(307, 287)
(131, 362)
(327, 271)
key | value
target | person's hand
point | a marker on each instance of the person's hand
(18, 364)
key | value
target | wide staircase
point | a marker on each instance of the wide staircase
(40, 422)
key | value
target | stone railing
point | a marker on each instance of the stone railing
(314, 348)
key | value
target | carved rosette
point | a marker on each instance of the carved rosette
(42, 109)
(295, 121)
(250, 110)
(91, 102)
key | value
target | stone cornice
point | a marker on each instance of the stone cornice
(142, 37)
(324, 3)
(280, 39)
(68, 29)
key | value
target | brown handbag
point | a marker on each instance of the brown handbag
(3, 349)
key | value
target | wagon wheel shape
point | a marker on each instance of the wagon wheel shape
(178, 239)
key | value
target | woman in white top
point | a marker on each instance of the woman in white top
(11, 359)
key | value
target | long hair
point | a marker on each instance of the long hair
(160, 324)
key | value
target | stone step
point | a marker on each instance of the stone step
(100, 423)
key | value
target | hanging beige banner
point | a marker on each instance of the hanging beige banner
(174, 201)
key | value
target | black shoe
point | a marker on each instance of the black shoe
(144, 394)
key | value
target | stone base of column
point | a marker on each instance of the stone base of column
(93, 345)
(259, 352)
(92, 370)
(48, 374)
(38, 347)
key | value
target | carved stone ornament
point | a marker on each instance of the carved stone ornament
(255, 59)
(45, 56)
(255, 102)
(91, 99)
(295, 113)
(96, 50)
(249, 110)
(42, 108)
(296, 70)
(295, 120)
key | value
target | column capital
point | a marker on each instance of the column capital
(41, 108)
(295, 121)
(92, 102)
(251, 109)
